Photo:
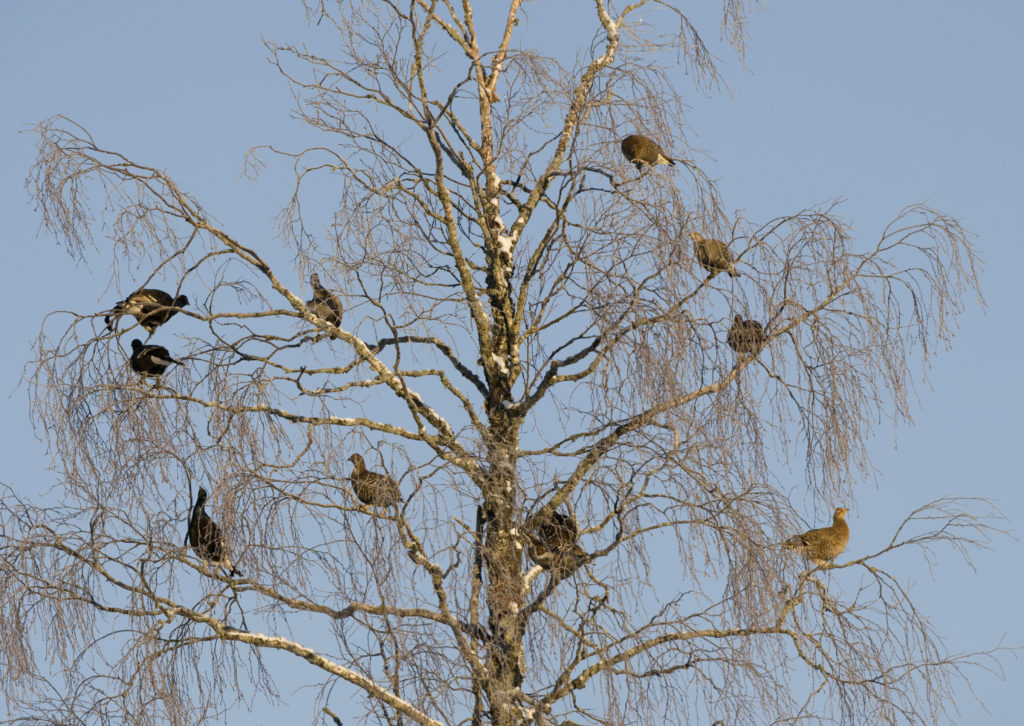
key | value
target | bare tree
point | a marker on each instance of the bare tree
(511, 325)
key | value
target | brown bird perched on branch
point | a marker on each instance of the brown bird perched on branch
(324, 303)
(825, 544)
(151, 307)
(746, 336)
(553, 543)
(713, 255)
(640, 150)
(371, 487)
(205, 536)
(150, 360)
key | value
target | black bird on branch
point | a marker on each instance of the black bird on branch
(150, 360)
(205, 536)
(151, 307)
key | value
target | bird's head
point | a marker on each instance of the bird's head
(357, 460)
(136, 344)
(696, 236)
(201, 496)
(314, 280)
(840, 513)
(181, 301)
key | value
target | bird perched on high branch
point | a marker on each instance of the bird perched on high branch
(825, 544)
(713, 255)
(150, 360)
(151, 307)
(205, 536)
(642, 151)
(553, 544)
(746, 336)
(371, 487)
(325, 303)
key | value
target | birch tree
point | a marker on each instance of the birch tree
(527, 344)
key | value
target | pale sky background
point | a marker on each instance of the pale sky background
(881, 103)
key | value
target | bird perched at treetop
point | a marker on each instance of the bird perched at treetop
(746, 336)
(150, 360)
(640, 150)
(151, 307)
(713, 255)
(825, 544)
(324, 303)
(371, 487)
(553, 543)
(205, 536)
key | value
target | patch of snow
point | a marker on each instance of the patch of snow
(499, 362)
(505, 243)
(507, 405)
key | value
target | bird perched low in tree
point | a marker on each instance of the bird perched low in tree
(371, 487)
(553, 543)
(825, 544)
(205, 536)
(746, 336)
(713, 255)
(642, 151)
(150, 360)
(324, 303)
(151, 307)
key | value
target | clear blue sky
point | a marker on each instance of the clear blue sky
(881, 103)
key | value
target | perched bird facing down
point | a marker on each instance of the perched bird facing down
(746, 336)
(640, 150)
(324, 303)
(205, 537)
(151, 307)
(150, 360)
(554, 545)
(713, 256)
(371, 487)
(825, 544)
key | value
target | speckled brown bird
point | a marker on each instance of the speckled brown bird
(371, 487)
(746, 336)
(325, 303)
(642, 151)
(205, 536)
(713, 255)
(151, 307)
(825, 544)
(553, 544)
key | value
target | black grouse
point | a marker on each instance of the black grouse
(205, 536)
(151, 307)
(150, 360)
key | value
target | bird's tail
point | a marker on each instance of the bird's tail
(111, 318)
(794, 543)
